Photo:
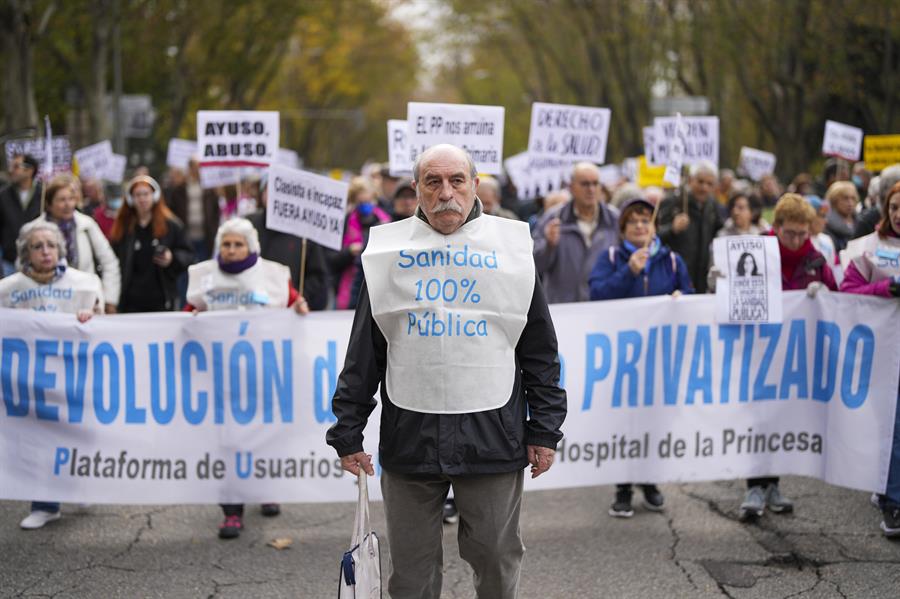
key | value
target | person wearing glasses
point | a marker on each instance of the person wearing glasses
(802, 267)
(45, 283)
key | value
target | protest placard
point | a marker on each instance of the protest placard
(476, 129)
(842, 140)
(568, 132)
(237, 137)
(647, 133)
(62, 152)
(400, 158)
(180, 152)
(756, 163)
(675, 153)
(306, 205)
(93, 160)
(288, 158)
(219, 176)
(115, 168)
(649, 175)
(610, 175)
(701, 139)
(881, 151)
(751, 288)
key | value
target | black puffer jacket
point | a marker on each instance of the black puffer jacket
(488, 442)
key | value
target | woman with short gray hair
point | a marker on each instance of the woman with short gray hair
(45, 283)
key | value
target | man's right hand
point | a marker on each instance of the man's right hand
(551, 232)
(352, 462)
(680, 223)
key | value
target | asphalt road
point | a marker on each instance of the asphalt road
(830, 547)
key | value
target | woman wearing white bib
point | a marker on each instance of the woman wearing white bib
(238, 279)
(44, 283)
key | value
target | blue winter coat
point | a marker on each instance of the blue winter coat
(611, 277)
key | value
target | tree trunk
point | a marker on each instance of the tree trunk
(18, 75)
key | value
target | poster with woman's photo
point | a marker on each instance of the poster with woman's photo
(750, 290)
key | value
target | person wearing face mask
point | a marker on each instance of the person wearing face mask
(110, 202)
(86, 247)
(152, 249)
(873, 268)
(364, 214)
(238, 279)
(44, 283)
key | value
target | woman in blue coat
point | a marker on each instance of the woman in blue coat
(639, 266)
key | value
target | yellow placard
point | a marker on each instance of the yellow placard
(881, 151)
(651, 175)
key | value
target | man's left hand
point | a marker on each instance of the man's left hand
(540, 458)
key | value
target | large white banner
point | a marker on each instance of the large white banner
(306, 205)
(568, 132)
(237, 137)
(234, 406)
(477, 129)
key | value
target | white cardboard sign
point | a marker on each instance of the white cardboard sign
(648, 145)
(751, 290)
(675, 152)
(400, 156)
(756, 163)
(306, 205)
(288, 157)
(60, 151)
(237, 137)
(567, 132)
(180, 152)
(842, 140)
(476, 129)
(701, 139)
(94, 160)
(219, 176)
(115, 168)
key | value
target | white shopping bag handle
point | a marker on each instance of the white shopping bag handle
(362, 511)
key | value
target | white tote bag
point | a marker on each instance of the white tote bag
(360, 576)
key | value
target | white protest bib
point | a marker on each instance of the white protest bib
(875, 257)
(263, 285)
(74, 291)
(452, 309)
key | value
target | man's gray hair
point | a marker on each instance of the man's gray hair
(491, 183)
(473, 172)
(704, 167)
(23, 261)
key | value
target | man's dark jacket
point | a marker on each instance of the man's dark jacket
(692, 244)
(13, 216)
(487, 442)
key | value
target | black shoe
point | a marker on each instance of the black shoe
(621, 507)
(653, 499)
(891, 522)
(231, 527)
(451, 514)
(270, 509)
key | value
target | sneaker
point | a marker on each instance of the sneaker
(38, 518)
(451, 514)
(231, 527)
(270, 510)
(777, 502)
(653, 498)
(877, 501)
(891, 522)
(754, 504)
(621, 507)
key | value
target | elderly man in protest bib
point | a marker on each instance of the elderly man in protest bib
(453, 324)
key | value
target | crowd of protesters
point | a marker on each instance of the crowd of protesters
(144, 246)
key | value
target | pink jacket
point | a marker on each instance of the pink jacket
(855, 282)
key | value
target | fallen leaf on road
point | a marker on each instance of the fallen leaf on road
(281, 543)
